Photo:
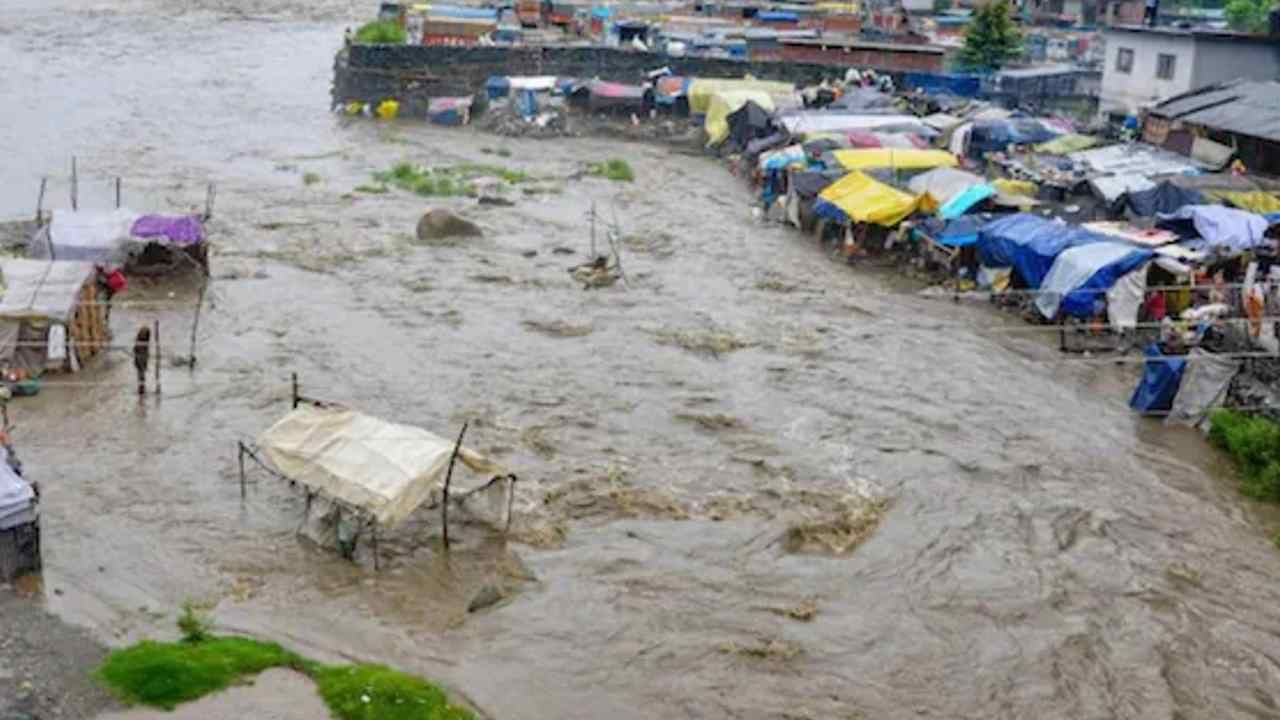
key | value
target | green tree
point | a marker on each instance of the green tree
(991, 40)
(1248, 15)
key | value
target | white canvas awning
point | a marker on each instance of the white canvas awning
(39, 289)
(383, 468)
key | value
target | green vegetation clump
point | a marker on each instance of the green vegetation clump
(446, 181)
(165, 675)
(614, 169)
(364, 692)
(310, 178)
(378, 189)
(1254, 443)
(381, 32)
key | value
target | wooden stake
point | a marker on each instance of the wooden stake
(44, 182)
(158, 363)
(195, 325)
(240, 459)
(210, 193)
(75, 185)
(117, 193)
(375, 546)
(448, 478)
(295, 391)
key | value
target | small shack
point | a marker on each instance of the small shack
(19, 520)
(140, 244)
(362, 474)
(52, 317)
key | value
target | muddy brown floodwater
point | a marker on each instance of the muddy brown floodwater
(1043, 553)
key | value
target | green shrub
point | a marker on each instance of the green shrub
(310, 178)
(1254, 443)
(195, 626)
(381, 32)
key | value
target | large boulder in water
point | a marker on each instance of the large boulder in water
(441, 227)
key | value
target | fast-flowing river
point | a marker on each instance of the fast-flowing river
(1044, 552)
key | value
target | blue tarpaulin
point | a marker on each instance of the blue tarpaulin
(1160, 381)
(997, 135)
(777, 16)
(1029, 244)
(527, 103)
(1078, 282)
(497, 86)
(962, 85)
(1221, 226)
(961, 232)
(960, 204)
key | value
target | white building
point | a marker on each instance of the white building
(1144, 64)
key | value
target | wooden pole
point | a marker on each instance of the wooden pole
(511, 502)
(158, 362)
(240, 459)
(195, 324)
(375, 546)
(117, 193)
(295, 391)
(448, 478)
(209, 195)
(75, 188)
(44, 183)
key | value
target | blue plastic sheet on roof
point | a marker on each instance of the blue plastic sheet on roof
(960, 232)
(601, 12)
(777, 16)
(497, 86)
(1221, 226)
(962, 85)
(1272, 218)
(1161, 378)
(1029, 244)
(961, 204)
(469, 13)
(1078, 282)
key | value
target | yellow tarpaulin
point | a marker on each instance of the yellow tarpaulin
(726, 102)
(898, 158)
(865, 200)
(1067, 144)
(1257, 201)
(1014, 187)
(701, 91)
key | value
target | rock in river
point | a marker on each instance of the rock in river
(442, 225)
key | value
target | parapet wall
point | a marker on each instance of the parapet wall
(412, 73)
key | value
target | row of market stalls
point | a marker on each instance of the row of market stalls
(1120, 245)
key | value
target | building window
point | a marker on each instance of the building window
(1164, 66)
(1124, 60)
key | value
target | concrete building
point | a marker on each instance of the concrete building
(1143, 64)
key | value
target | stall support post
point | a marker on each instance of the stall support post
(158, 360)
(240, 459)
(448, 478)
(296, 398)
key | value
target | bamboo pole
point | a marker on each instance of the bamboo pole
(75, 185)
(158, 363)
(295, 391)
(44, 183)
(117, 193)
(448, 478)
(240, 459)
(195, 325)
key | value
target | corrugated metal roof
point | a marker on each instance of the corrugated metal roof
(1244, 107)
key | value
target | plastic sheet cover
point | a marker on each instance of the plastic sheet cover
(1081, 275)
(1222, 226)
(37, 289)
(858, 198)
(1029, 244)
(384, 468)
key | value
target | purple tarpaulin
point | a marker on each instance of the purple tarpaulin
(180, 229)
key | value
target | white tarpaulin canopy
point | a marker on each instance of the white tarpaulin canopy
(38, 289)
(85, 235)
(811, 122)
(383, 468)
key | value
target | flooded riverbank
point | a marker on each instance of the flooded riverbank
(1042, 551)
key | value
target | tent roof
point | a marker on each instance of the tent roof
(381, 467)
(42, 289)
(859, 198)
(899, 158)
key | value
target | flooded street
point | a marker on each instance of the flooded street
(1043, 553)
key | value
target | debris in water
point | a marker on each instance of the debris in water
(838, 533)
(763, 649)
(596, 274)
(713, 422)
(488, 596)
(561, 250)
(804, 611)
(614, 496)
(558, 328)
(492, 278)
(535, 438)
(711, 342)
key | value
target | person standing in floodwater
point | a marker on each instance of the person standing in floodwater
(141, 354)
